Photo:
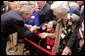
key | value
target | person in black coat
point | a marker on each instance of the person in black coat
(13, 21)
(74, 47)
(45, 13)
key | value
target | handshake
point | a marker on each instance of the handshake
(32, 28)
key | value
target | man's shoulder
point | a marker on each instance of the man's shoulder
(9, 13)
(12, 15)
(16, 15)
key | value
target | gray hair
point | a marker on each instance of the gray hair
(26, 9)
(59, 4)
(60, 7)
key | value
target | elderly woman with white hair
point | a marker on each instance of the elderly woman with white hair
(60, 10)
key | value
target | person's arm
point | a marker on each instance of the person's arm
(22, 31)
(51, 35)
(71, 43)
(44, 35)
(19, 26)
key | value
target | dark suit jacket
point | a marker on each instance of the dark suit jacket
(46, 14)
(11, 22)
(73, 42)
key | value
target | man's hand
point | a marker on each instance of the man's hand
(34, 28)
(66, 51)
(28, 26)
(43, 35)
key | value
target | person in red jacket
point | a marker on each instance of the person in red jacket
(48, 35)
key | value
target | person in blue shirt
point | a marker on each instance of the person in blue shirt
(75, 10)
(34, 20)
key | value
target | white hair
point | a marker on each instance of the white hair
(60, 7)
(26, 9)
(59, 4)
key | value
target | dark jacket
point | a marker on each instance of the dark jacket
(73, 42)
(11, 22)
(74, 10)
(46, 14)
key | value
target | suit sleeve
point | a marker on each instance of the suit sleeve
(72, 42)
(74, 37)
(22, 31)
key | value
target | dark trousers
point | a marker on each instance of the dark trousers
(3, 44)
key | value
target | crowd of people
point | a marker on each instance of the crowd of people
(57, 26)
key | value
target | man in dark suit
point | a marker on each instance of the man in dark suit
(13, 21)
(45, 13)
(75, 45)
